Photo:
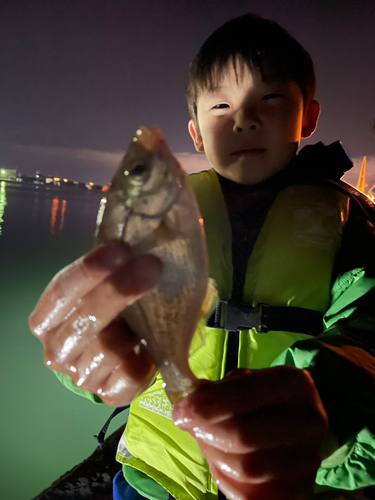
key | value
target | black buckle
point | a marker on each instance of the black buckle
(231, 317)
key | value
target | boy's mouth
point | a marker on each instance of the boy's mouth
(248, 152)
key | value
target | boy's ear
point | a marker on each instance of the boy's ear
(310, 119)
(195, 135)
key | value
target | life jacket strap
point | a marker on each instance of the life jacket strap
(101, 436)
(235, 317)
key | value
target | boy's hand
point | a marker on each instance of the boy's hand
(261, 432)
(77, 320)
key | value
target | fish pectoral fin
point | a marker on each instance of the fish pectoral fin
(211, 299)
(162, 235)
(157, 238)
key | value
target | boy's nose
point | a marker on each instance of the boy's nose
(246, 120)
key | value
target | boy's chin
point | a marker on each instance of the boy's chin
(253, 172)
(247, 176)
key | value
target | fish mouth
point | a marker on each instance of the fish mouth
(249, 152)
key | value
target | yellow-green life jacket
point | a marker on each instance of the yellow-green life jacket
(291, 265)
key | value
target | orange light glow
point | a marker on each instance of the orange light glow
(54, 209)
(65, 180)
(56, 178)
(105, 188)
(91, 183)
(62, 216)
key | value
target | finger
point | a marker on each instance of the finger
(94, 365)
(230, 487)
(112, 349)
(244, 392)
(98, 308)
(138, 360)
(285, 464)
(270, 490)
(75, 281)
(284, 425)
(129, 379)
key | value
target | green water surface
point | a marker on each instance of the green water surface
(45, 430)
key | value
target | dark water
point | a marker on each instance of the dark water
(44, 429)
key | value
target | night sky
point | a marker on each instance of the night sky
(78, 77)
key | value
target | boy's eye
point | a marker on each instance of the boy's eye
(271, 96)
(220, 106)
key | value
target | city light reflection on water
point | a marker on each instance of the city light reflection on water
(57, 210)
(34, 212)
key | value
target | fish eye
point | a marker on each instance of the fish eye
(138, 174)
(138, 170)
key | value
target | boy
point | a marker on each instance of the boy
(280, 232)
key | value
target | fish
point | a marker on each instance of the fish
(150, 206)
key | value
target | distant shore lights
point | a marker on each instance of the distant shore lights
(8, 174)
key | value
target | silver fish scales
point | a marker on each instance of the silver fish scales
(150, 206)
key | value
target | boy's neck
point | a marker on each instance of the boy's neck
(275, 182)
(240, 198)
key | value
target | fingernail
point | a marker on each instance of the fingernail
(179, 414)
(204, 436)
(182, 422)
(226, 469)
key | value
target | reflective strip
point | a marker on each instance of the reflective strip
(122, 449)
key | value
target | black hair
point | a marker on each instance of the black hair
(257, 42)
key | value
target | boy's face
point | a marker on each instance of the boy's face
(250, 129)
